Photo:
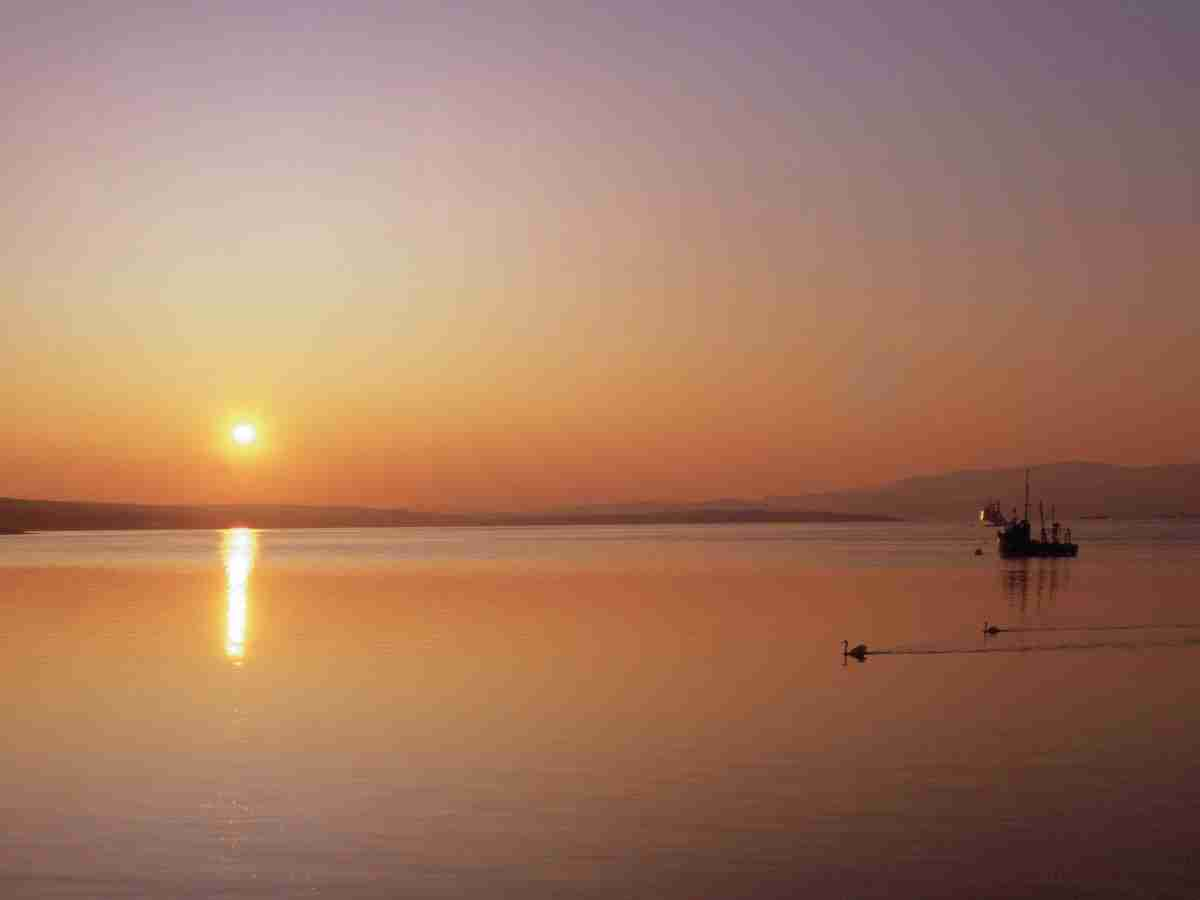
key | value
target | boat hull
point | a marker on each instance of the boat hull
(1017, 541)
(1037, 549)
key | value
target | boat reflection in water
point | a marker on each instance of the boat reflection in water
(1044, 577)
(238, 546)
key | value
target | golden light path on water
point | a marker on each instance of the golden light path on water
(237, 549)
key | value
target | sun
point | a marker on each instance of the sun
(244, 434)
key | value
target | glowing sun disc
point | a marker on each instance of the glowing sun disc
(244, 433)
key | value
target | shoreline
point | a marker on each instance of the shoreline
(267, 521)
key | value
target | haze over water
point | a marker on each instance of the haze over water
(598, 712)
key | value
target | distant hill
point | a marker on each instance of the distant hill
(1075, 488)
(51, 515)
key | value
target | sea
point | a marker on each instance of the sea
(600, 711)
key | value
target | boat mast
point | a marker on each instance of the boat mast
(1026, 495)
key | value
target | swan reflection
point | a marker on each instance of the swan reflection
(237, 549)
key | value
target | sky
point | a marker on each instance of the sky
(525, 255)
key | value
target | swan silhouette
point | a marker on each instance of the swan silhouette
(990, 629)
(858, 652)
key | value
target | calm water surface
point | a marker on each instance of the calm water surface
(599, 712)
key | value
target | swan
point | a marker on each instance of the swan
(857, 652)
(990, 629)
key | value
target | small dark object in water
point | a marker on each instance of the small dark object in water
(979, 551)
(990, 629)
(858, 652)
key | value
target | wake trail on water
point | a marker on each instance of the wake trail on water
(1039, 648)
(1149, 627)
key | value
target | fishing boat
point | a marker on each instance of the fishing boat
(1016, 538)
(992, 515)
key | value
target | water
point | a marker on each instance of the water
(599, 712)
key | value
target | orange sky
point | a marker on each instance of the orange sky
(469, 260)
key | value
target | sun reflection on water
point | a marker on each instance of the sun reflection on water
(237, 549)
